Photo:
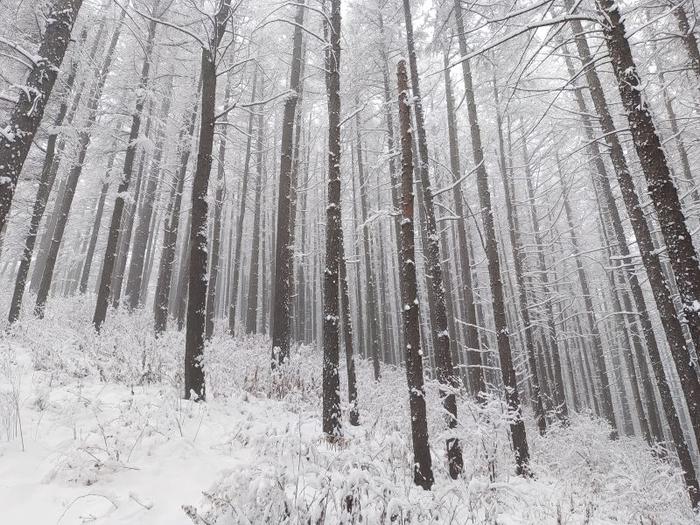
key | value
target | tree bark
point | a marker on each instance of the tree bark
(42, 195)
(446, 376)
(334, 238)
(66, 200)
(283, 252)
(104, 289)
(517, 425)
(133, 283)
(18, 134)
(236, 270)
(422, 462)
(197, 289)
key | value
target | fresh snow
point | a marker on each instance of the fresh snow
(108, 440)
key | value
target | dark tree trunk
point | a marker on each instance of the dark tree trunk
(172, 224)
(28, 112)
(218, 209)
(104, 289)
(422, 462)
(475, 373)
(334, 238)
(66, 200)
(143, 232)
(687, 36)
(197, 289)
(517, 426)
(283, 252)
(48, 176)
(443, 357)
(236, 269)
(518, 267)
(252, 314)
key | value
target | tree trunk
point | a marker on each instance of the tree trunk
(283, 252)
(517, 426)
(197, 289)
(104, 290)
(42, 195)
(18, 134)
(334, 238)
(236, 270)
(422, 462)
(66, 200)
(443, 357)
(133, 283)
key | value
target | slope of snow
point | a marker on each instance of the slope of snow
(103, 436)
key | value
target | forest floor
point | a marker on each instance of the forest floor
(92, 429)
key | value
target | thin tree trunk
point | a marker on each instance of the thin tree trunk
(517, 426)
(142, 234)
(443, 357)
(236, 270)
(104, 290)
(334, 238)
(42, 195)
(422, 462)
(66, 200)
(283, 258)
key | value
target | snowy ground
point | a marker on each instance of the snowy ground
(102, 436)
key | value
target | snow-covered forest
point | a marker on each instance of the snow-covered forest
(349, 261)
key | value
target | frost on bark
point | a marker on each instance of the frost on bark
(422, 462)
(172, 222)
(236, 269)
(17, 135)
(282, 276)
(446, 375)
(65, 202)
(475, 373)
(48, 177)
(251, 324)
(104, 290)
(197, 278)
(334, 238)
(517, 426)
